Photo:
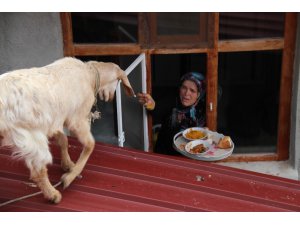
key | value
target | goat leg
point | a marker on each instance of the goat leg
(66, 163)
(85, 137)
(40, 177)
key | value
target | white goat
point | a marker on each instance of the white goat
(36, 103)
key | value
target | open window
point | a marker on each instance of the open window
(124, 120)
(236, 51)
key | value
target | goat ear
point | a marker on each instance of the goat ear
(127, 86)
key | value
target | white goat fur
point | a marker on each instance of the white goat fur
(37, 103)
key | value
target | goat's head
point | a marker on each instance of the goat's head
(109, 75)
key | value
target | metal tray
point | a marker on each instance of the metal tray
(213, 154)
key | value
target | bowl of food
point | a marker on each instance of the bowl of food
(197, 147)
(195, 133)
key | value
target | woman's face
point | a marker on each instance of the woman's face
(188, 93)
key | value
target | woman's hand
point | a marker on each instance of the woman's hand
(146, 100)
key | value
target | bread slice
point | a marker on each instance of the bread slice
(225, 142)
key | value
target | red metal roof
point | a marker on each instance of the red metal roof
(122, 179)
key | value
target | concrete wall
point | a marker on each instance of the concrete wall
(29, 39)
(295, 116)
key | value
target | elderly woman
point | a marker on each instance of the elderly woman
(189, 111)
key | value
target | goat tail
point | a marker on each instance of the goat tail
(32, 146)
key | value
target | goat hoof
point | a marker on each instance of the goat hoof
(56, 197)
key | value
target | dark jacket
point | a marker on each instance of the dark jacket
(176, 120)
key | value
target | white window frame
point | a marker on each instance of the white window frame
(121, 134)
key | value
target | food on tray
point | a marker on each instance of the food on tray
(195, 134)
(225, 142)
(203, 149)
(198, 149)
(181, 146)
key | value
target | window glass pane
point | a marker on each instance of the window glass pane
(248, 107)
(251, 25)
(178, 23)
(104, 27)
(183, 30)
(132, 112)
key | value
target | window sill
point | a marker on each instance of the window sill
(275, 168)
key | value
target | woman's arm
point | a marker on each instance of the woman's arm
(146, 100)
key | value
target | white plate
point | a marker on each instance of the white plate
(189, 146)
(186, 131)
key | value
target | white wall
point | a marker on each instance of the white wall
(29, 39)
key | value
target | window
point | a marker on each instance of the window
(238, 52)
(178, 29)
(107, 129)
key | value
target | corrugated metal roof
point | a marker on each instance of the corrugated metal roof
(122, 179)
